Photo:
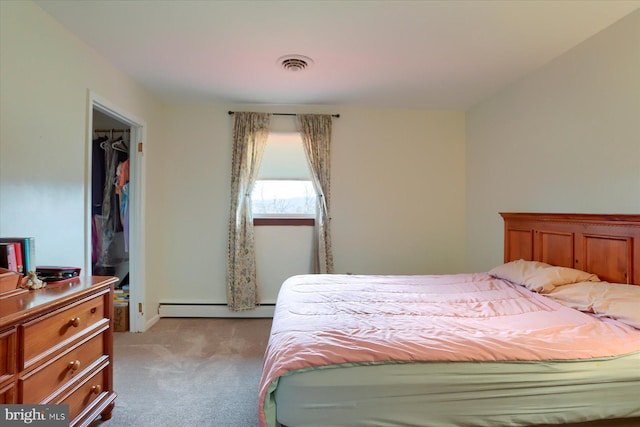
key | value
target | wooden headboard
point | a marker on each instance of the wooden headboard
(606, 245)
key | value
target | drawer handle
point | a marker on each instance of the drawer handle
(74, 365)
(96, 389)
(75, 322)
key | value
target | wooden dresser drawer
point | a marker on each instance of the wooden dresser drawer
(48, 378)
(8, 354)
(42, 336)
(81, 397)
(8, 394)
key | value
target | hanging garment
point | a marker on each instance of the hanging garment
(124, 213)
(122, 190)
(96, 240)
(97, 182)
(108, 223)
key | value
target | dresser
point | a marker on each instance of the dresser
(56, 347)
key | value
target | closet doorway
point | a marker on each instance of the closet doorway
(114, 211)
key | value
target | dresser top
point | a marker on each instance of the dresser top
(17, 307)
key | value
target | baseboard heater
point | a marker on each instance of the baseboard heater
(181, 309)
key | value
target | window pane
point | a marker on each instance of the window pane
(289, 197)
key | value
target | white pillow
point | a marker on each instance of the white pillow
(539, 276)
(577, 295)
(615, 300)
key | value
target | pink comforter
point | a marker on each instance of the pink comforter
(332, 319)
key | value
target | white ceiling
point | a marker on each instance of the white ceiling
(446, 55)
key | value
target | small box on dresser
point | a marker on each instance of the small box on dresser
(56, 347)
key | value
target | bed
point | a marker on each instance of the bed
(549, 337)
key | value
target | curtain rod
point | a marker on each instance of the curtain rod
(287, 114)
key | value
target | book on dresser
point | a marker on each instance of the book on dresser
(8, 258)
(56, 348)
(26, 248)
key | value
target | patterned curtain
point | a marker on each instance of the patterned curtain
(315, 130)
(250, 132)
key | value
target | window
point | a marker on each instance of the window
(282, 197)
(283, 189)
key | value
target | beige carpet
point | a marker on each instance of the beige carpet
(189, 372)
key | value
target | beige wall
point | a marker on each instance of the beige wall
(398, 191)
(45, 76)
(564, 139)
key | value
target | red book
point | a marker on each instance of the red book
(8, 256)
(19, 262)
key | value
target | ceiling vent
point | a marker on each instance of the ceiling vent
(295, 62)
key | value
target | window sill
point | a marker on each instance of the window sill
(284, 221)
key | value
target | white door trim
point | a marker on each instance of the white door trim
(137, 279)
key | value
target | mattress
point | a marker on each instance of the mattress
(438, 349)
(440, 394)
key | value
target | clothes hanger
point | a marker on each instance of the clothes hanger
(120, 145)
